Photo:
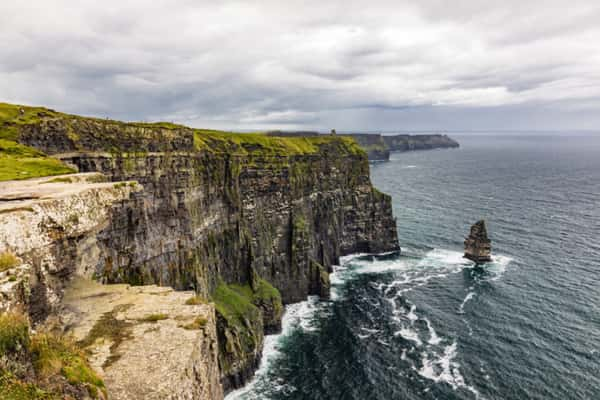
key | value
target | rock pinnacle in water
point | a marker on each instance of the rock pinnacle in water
(477, 245)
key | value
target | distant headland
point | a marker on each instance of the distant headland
(379, 147)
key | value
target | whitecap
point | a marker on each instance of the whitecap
(498, 266)
(412, 316)
(469, 296)
(444, 368)
(409, 334)
(434, 339)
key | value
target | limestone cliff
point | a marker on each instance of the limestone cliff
(245, 220)
(378, 147)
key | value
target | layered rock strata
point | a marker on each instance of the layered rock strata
(478, 247)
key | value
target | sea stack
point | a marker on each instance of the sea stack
(477, 245)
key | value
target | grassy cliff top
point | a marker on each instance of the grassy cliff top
(18, 161)
(262, 144)
(14, 116)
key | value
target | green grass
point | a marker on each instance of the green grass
(235, 301)
(51, 357)
(64, 179)
(14, 332)
(11, 118)
(263, 291)
(264, 145)
(22, 162)
(242, 321)
(195, 300)
(7, 261)
(154, 317)
(55, 355)
(232, 304)
(198, 323)
(15, 168)
(12, 388)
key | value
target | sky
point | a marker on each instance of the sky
(350, 65)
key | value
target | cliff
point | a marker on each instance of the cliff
(374, 144)
(247, 221)
(378, 147)
(419, 142)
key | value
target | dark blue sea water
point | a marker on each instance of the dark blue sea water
(427, 324)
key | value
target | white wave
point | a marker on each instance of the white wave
(444, 368)
(408, 166)
(296, 316)
(379, 266)
(368, 334)
(412, 316)
(409, 334)
(444, 258)
(498, 266)
(434, 339)
(469, 296)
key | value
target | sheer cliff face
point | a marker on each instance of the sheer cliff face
(219, 210)
(206, 213)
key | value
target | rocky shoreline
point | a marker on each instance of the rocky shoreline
(243, 222)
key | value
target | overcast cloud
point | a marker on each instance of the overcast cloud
(352, 65)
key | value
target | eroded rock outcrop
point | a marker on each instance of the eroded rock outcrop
(478, 247)
(147, 342)
(50, 225)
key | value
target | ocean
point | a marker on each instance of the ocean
(427, 324)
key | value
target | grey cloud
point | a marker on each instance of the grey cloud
(308, 64)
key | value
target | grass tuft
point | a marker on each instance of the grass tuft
(12, 388)
(8, 260)
(199, 323)
(14, 332)
(64, 179)
(55, 355)
(154, 317)
(195, 300)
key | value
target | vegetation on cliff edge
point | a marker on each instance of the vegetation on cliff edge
(22, 162)
(260, 144)
(7, 261)
(42, 365)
